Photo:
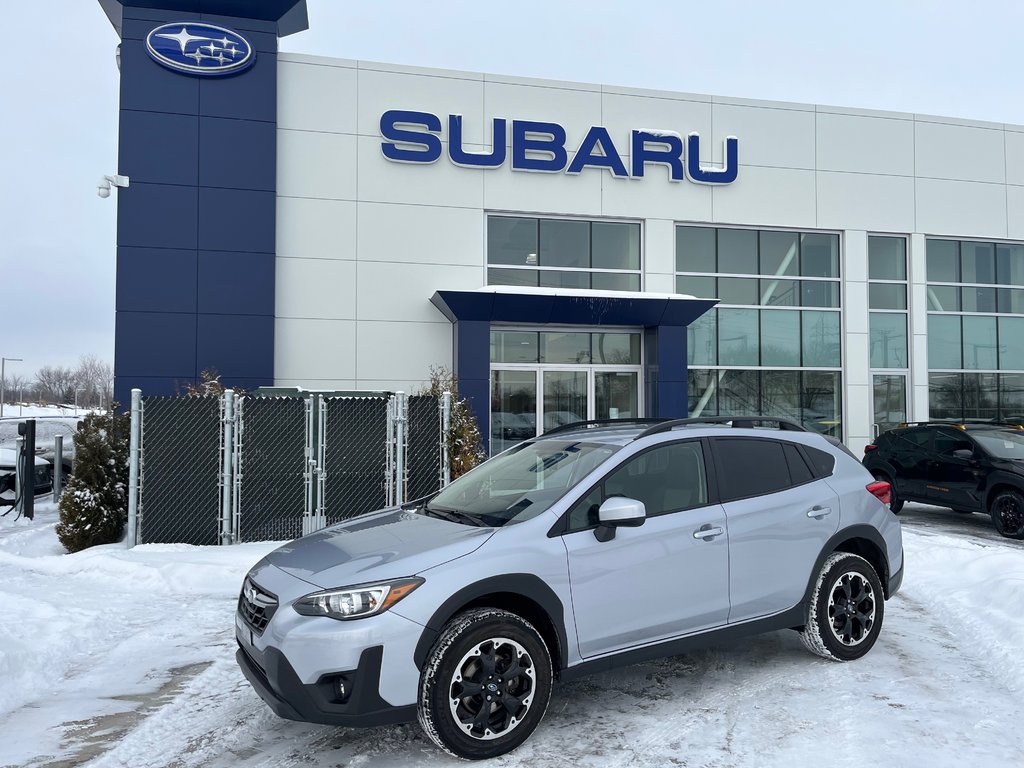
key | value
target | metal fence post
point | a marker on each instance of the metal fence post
(58, 467)
(320, 520)
(227, 456)
(446, 425)
(134, 451)
(389, 445)
(236, 465)
(310, 472)
(401, 423)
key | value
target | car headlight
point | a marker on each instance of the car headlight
(356, 602)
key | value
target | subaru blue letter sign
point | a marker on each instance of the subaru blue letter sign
(414, 137)
(431, 144)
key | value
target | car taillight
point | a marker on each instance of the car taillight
(881, 490)
(870, 447)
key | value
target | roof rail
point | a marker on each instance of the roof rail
(578, 425)
(963, 424)
(737, 422)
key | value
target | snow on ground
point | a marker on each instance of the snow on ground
(115, 657)
(32, 411)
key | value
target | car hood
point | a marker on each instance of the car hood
(388, 544)
(8, 456)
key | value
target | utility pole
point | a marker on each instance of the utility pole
(3, 377)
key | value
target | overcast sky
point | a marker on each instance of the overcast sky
(59, 83)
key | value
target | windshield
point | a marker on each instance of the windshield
(1004, 444)
(520, 483)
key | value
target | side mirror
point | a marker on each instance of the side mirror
(616, 511)
(963, 453)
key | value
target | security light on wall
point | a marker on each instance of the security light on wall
(103, 188)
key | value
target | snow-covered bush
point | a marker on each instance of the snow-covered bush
(465, 444)
(94, 505)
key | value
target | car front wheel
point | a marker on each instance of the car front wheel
(846, 610)
(1007, 510)
(485, 685)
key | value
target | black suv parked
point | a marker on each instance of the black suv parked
(966, 467)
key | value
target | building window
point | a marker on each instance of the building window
(779, 308)
(563, 253)
(975, 329)
(887, 301)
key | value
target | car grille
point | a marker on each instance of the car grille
(256, 606)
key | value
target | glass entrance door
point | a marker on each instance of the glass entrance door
(566, 397)
(526, 402)
(889, 401)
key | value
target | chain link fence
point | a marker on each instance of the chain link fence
(423, 452)
(180, 470)
(355, 456)
(271, 480)
(291, 465)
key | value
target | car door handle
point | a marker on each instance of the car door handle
(818, 512)
(707, 533)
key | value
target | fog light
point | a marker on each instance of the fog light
(342, 689)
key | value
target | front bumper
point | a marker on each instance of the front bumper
(279, 686)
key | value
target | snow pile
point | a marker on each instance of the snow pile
(118, 658)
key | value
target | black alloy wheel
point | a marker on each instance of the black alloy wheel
(1007, 510)
(846, 610)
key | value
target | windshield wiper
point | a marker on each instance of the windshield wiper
(454, 516)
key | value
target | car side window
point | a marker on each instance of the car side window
(947, 442)
(750, 467)
(667, 478)
(799, 472)
(914, 439)
(822, 462)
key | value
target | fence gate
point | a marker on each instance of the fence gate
(424, 473)
(271, 472)
(179, 478)
(354, 454)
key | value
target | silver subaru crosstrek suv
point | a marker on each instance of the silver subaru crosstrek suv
(593, 546)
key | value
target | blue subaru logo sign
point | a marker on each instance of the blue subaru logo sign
(196, 48)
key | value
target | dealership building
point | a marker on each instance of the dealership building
(569, 250)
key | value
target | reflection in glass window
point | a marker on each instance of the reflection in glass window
(944, 348)
(1010, 265)
(737, 290)
(977, 262)
(511, 241)
(887, 296)
(779, 253)
(695, 249)
(550, 278)
(888, 340)
(981, 396)
(513, 408)
(978, 299)
(780, 395)
(615, 348)
(614, 281)
(822, 402)
(1010, 300)
(703, 287)
(946, 395)
(565, 347)
(738, 342)
(702, 389)
(739, 393)
(943, 261)
(887, 258)
(701, 340)
(819, 255)
(737, 251)
(514, 347)
(817, 293)
(615, 245)
(943, 298)
(780, 293)
(980, 346)
(1011, 342)
(1011, 396)
(821, 341)
(564, 243)
(780, 338)
(527, 277)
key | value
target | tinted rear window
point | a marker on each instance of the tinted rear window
(798, 469)
(822, 463)
(749, 467)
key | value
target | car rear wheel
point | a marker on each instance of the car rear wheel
(895, 502)
(846, 610)
(1007, 510)
(485, 685)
